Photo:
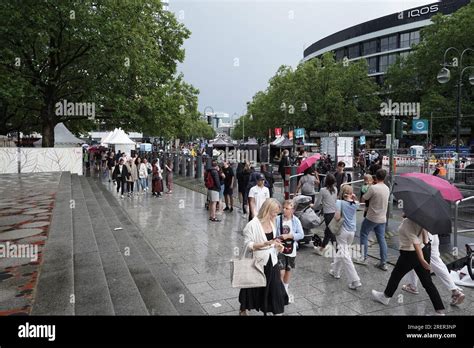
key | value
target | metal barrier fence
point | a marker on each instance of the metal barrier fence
(466, 213)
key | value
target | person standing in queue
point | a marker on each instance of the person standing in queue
(258, 194)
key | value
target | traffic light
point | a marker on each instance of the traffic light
(400, 129)
(386, 126)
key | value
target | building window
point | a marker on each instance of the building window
(372, 62)
(339, 54)
(409, 39)
(369, 47)
(386, 61)
(414, 38)
(389, 43)
(354, 51)
(383, 63)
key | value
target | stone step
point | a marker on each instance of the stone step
(124, 293)
(92, 296)
(129, 241)
(55, 286)
(183, 300)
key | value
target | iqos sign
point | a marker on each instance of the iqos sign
(417, 12)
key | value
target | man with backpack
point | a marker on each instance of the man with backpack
(213, 185)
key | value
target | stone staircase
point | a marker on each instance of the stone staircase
(97, 262)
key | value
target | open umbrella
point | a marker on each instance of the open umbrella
(307, 163)
(423, 204)
(448, 191)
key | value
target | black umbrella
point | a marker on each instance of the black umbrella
(423, 204)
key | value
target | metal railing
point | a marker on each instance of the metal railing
(456, 217)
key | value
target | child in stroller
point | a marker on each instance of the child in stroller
(304, 210)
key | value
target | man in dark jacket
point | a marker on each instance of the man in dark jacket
(269, 180)
(213, 191)
(120, 175)
(284, 162)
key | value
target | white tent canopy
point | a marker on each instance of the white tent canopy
(121, 141)
(62, 137)
(119, 138)
(105, 139)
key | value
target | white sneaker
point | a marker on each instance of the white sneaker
(380, 297)
(320, 251)
(354, 285)
(337, 276)
(361, 261)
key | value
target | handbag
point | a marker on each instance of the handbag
(336, 226)
(247, 272)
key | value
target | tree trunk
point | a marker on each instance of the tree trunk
(48, 120)
(48, 134)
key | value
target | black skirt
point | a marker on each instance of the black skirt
(272, 298)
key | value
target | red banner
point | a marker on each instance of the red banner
(277, 132)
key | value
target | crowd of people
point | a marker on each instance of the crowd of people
(132, 176)
(273, 234)
(273, 230)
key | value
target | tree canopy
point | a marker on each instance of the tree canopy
(121, 56)
(320, 94)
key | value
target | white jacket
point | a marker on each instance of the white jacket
(142, 171)
(253, 233)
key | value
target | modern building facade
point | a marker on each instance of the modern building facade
(382, 40)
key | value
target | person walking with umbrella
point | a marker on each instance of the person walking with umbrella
(448, 193)
(414, 255)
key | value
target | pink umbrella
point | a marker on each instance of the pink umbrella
(307, 163)
(448, 192)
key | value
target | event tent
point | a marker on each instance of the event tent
(62, 137)
(121, 141)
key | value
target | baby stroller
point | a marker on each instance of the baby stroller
(308, 217)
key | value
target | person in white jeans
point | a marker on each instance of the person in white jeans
(346, 208)
(441, 271)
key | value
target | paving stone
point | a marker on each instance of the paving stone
(217, 307)
(338, 309)
(14, 219)
(35, 224)
(20, 233)
(199, 288)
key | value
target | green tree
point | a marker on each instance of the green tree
(121, 56)
(413, 79)
(320, 94)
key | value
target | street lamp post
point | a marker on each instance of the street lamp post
(444, 76)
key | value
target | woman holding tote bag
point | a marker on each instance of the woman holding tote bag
(259, 237)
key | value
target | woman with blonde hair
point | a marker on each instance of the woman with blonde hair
(259, 237)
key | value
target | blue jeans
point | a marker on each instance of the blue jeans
(143, 183)
(379, 230)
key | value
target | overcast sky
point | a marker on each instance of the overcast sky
(236, 46)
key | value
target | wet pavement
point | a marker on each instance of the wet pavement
(191, 263)
(198, 252)
(26, 204)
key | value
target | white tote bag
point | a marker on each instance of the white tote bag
(247, 272)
